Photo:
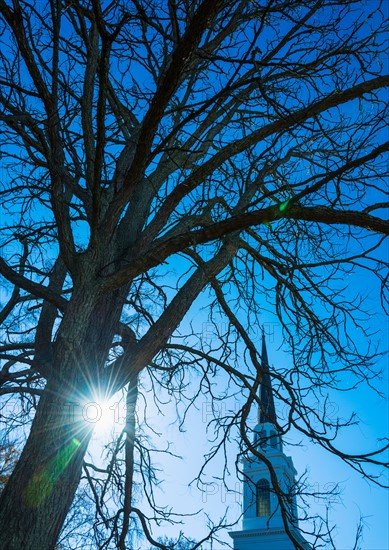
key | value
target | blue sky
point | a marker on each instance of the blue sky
(359, 498)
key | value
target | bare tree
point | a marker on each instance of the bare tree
(8, 459)
(155, 153)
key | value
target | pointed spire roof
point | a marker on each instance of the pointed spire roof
(266, 411)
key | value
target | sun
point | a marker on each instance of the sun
(101, 413)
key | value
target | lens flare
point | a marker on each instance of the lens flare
(43, 481)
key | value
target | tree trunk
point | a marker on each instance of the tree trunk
(38, 495)
(40, 491)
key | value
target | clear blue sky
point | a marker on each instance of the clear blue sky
(358, 498)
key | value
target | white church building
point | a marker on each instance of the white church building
(262, 526)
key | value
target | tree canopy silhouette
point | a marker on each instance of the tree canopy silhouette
(158, 153)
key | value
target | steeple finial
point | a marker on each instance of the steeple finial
(266, 410)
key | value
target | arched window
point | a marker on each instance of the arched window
(263, 498)
(273, 439)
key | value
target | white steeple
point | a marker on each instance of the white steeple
(263, 526)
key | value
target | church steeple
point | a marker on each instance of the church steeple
(266, 408)
(263, 525)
